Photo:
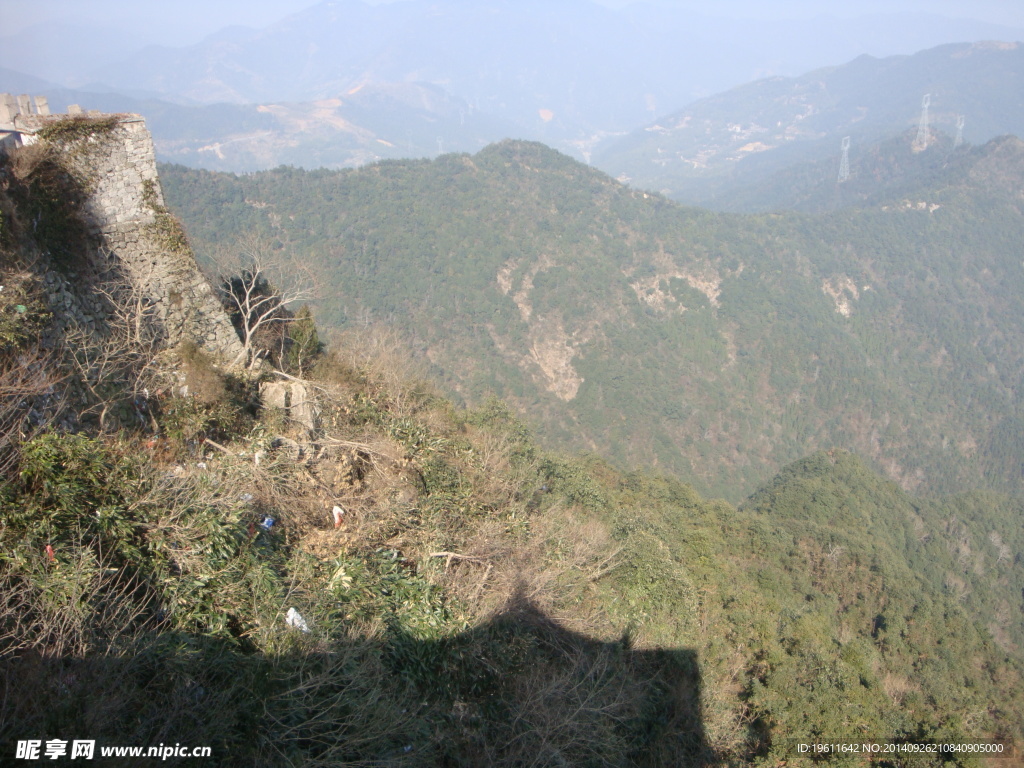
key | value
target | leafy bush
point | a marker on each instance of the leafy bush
(23, 310)
(211, 404)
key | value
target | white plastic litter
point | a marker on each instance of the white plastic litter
(339, 513)
(294, 619)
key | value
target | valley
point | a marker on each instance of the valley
(714, 346)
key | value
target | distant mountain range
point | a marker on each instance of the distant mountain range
(877, 172)
(715, 149)
(594, 68)
(719, 347)
(344, 83)
(424, 120)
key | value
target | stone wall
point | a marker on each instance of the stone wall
(135, 237)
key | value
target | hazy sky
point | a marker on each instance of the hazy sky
(187, 21)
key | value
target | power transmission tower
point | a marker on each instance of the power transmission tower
(844, 162)
(959, 131)
(921, 142)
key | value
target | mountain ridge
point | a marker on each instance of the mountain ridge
(720, 144)
(665, 335)
(573, 75)
(715, 147)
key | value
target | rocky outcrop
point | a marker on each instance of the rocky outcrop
(295, 402)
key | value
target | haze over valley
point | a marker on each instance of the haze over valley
(343, 83)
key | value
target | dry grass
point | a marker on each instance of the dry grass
(78, 607)
(61, 626)
(377, 361)
(351, 711)
(897, 687)
(27, 377)
(30, 375)
(202, 377)
(549, 560)
(571, 712)
(27, 160)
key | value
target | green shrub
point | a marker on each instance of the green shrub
(571, 479)
(73, 493)
(187, 421)
(165, 229)
(304, 345)
(212, 405)
(23, 310)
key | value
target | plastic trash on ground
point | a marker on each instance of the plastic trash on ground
(294, 619)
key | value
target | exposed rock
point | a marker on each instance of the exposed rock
(841, 289)
(295, 401)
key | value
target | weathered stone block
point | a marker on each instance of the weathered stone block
(294, 399)
(8, 109)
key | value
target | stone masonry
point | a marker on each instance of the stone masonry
(122, 209)
(124, 215)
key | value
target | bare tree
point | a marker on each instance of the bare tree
(257, 288)
(1002, 550)
(834, 551)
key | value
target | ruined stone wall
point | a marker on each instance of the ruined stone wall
(136, 236)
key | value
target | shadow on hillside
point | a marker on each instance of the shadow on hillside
(517, 690)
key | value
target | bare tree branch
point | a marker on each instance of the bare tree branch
(257, 288)
(114, 364)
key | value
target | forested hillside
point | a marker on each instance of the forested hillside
(720, 347)
(879, 172)
(316, 559)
